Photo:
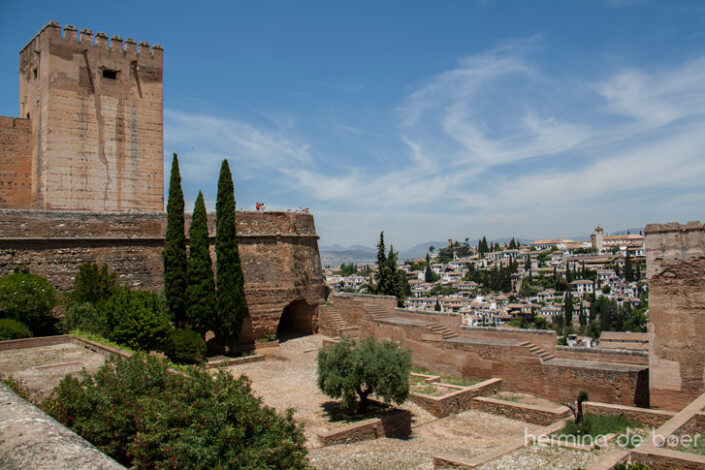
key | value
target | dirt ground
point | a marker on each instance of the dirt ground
(41, 369)
(287, 379)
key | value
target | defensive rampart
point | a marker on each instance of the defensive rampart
(279, 253)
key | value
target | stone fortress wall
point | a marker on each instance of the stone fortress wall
(278, 250)
(675, 260)
(15, 162)
(93, 107)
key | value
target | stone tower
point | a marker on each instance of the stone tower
(597, 238)
(675, 260)
(94, 108)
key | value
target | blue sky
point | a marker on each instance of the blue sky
(426, 119)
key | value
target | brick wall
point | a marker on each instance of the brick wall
(15, 163)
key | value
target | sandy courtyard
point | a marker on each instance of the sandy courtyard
(287, 379)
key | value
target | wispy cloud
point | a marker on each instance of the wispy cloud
(496, 145)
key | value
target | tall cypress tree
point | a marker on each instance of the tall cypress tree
(175, 249)
(230, 284)
(385, 281)
(200, 293)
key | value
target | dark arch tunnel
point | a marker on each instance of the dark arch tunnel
(296, 320)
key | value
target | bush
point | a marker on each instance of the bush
(29, 299)
(13, 329)
(351, 368)
(85, 317)
(93, 285)
(144, 417)
(137, 319)
(185, 347)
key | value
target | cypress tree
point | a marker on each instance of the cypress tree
(174, 253)
(569, 309)
(230, 284)
(200, 293)
(429, 275)
(385, 279)
(628, 269)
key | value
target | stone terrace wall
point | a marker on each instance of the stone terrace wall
(603, 355)
(675, 259)
(15, 163)
(544, 338)
(520, 371)
(279, 253)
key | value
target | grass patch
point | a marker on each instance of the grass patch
(15, 385)
(697, 446)
(594, 425)
(446, 379)
(430, 389)
(503, 397)
(96, 338)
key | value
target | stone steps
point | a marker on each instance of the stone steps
(444, 331)
(537, 351)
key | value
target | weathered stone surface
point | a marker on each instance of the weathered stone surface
(31, 439)
(15, 162)
(95, 137)
(675, 259)
(279, 253)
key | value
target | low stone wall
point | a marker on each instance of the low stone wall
(31, 439)
(621, 356)
(396, 423)
(25, 343)
(667, 459)
(645, 416)
(457, 401)
(529, 413)
(547, 339)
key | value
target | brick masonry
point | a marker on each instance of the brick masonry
(279, 253)
(15, 163)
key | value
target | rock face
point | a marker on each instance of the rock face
(90, 133)
(675, 259)
(279, 253)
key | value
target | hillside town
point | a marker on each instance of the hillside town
(577, 288)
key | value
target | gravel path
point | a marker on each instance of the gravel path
(41, 369)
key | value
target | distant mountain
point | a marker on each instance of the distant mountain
(338, 257)
(420, 250)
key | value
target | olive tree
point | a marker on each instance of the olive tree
(355, 369)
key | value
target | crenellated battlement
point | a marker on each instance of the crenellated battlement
(114, 44)
(674, 241)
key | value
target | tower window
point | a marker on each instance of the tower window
(35, 72)
(111, 74)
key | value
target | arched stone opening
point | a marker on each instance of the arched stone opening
(296, 320)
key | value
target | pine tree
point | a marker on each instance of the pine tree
(230, 284)
(200, 293)
(174, 253)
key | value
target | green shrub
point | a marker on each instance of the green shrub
(137, 319)
(13, 329)
(144, 417)
(349, 369)
(85, 317)
(631, 466)
(595, 425)
(93, 285)
(29, 299)
(185, 347)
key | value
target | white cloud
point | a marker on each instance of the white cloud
(496, 146)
